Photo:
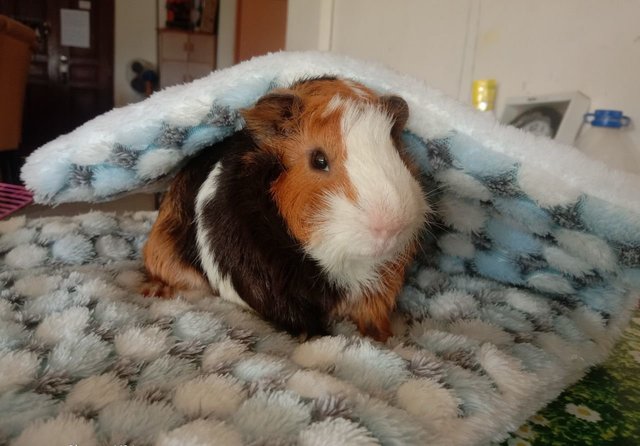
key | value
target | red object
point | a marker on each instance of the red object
(12, 198)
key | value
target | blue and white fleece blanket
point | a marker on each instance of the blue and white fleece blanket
(526, 283)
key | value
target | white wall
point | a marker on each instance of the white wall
(135, 37)
(309, 25)
(417, 37)
(530, 47)
(226, 33)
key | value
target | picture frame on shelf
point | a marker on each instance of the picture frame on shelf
(557, 116)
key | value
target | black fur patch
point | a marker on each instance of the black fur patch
(438, 153)
(568, 216)
(503, 185)
(80, 175)
(304, 80)
(629, 255)
(251, 243)
(187, 184)
(531, 263)
(124, 157)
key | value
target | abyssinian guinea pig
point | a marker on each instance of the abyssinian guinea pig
(310, 213)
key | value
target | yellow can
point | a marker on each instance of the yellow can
(483, 94)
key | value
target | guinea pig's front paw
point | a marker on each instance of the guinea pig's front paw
(379, 330)
(157, 288)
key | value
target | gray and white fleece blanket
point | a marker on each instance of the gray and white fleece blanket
(527, 283)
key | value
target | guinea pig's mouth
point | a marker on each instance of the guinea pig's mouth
(382, 247)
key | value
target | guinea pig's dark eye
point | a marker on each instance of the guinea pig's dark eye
(319, 160)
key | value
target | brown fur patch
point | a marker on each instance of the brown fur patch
(170, 254)
(372, 310)
(162, 256)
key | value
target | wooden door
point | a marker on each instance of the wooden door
(261, 28)
(67, 85)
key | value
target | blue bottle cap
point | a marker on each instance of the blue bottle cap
(607, 118)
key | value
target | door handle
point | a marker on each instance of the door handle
(63, 69)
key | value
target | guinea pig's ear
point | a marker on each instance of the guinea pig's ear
(398, 110)
(273, 115)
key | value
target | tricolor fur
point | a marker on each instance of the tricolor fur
(311, 212)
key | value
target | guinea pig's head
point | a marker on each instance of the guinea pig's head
(346, 190)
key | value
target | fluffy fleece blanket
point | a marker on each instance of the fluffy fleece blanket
(526, 284)
(84, 359)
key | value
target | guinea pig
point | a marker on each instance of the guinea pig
(312, 212)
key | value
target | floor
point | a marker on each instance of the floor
(134, 202)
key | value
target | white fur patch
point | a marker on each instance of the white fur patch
(461, 215)
(6, 311)
(207, 258)
(592, 250)
(96, 289)
(528, 303)
(142, 344)
(56, 229)
(457, 245)
(34, 286)
(313, 384)
(319, 353)
(130, 279)
(66, 325)
(158, 162)
(546, 189)
(506, 371)
(223, 353)
(66, 428)
(169, 308)
(96, 392)
(272, 418)
(202, 433)
(336, 432)
(564, 262)
(96, 223)
(335, 103)
(357, 89)
(481, 331)
(113, 247)
(463, 184)
(12, 224)
(26, 256)
(212, 395)
(430, 278)
(136, 421)
(429, 401)
(17, 369)
(565, 352)
(16, 238)
(345, 243)
(452, 305)
(593, 325)
(550, 283)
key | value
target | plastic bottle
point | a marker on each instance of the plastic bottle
(605, 136)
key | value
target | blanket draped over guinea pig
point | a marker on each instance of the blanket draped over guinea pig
(546, 240)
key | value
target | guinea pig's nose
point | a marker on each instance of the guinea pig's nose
(384, 229)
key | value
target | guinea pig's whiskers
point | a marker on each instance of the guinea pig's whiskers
(438, 188)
